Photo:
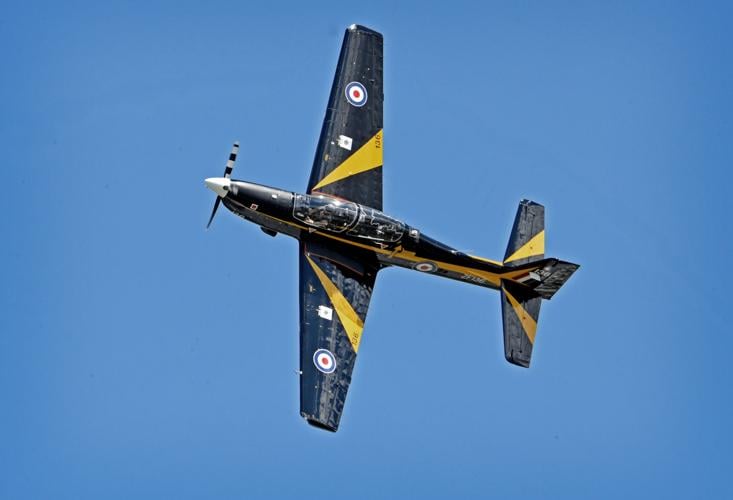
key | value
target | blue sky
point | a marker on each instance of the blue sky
(144, 357)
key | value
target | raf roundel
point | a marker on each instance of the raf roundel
(356, 94)
(324, 360)
(426, 267)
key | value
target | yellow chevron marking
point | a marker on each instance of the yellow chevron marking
(528, 322)
(535, 246)
(493, 278)
(486, 275)
(367, 157)
(349, 319)
(490, 261)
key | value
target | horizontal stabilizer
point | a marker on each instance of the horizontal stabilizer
(520, 310)
(527, 240)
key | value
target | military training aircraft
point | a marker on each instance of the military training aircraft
(345, 238)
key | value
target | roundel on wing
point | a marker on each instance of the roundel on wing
(356, 94)
(324, 360)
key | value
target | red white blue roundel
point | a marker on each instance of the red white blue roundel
(324, 360)
(356, 94)
(426, 267)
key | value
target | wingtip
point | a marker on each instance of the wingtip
(517, 361)
(363, 29)
(525, 201)
(321, 425)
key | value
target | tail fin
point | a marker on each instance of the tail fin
(520, 310)
(527, 241)
(531, 279)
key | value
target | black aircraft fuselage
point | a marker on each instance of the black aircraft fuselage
(369, 232)
(346, 239)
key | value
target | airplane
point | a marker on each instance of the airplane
(345, 239)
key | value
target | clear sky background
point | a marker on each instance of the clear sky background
(144, 357)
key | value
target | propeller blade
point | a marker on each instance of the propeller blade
(213, 212)
(227, 175)
(231, 160)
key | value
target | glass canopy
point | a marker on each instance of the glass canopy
(335, 215)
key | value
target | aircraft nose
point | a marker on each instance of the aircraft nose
(219, 185)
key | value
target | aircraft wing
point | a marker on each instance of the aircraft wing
(348, 161)
(335, 290)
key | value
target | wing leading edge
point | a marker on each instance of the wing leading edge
(348, 161)
(335, 291)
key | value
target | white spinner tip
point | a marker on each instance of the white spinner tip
(219, 185)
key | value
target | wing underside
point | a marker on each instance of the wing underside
(335, 290)
(348, 161)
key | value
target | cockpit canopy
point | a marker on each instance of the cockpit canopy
(325, 212)
(338, 216)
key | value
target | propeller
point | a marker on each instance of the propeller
(227, 175)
